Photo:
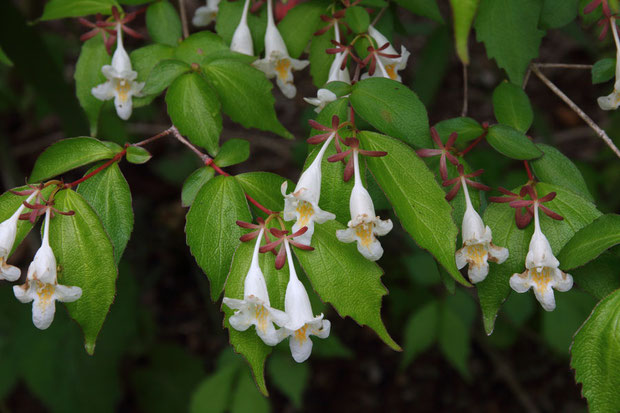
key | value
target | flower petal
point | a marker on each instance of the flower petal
(520, 282)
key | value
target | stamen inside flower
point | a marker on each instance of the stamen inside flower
(300, 335)
(283, 68)
(541, 277)
(122, 88)
(364, 232)
(305, 211)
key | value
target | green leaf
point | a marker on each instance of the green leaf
(357, 18)
(425, 8)
(289, 377)
(595, 356)
(163, 23)
(393, 109)
(194, 109)
(228, 17)
(58, 9)
(194, 183)
(109, 195)
(233, 152)
(320, 61)
(88, 75)
(334, 267)
(211, 230)
(299, 24)
(340, 89)
(603, 70)
(591, 241)
(163, 75)
(512, 143)
(69, 154)
(467, 129)
(85, 257)
(8, 205)
(143, 60)
(247, 397)
(512, 106)
(263, 187)
(247, 343)
(420, 332)
(509, 31)
(598, 278)
(418, 201)
(213, 394)
(555, 168)
(577, 213)
(245, 94)
(227, 54)
(137, 155)
(463, 12)
(558, 13)
(199, 45)
(5, 59)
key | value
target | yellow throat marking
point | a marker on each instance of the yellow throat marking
(541, 278)
(305, 211)
(300, 335)
(282, 68)
(391, 71)
(45, 293)
(476, 253)
(122, 88)
(364, 233)
(260, 313)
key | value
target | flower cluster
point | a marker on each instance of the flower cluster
(41, 286)
(204, 15)
(296, 322)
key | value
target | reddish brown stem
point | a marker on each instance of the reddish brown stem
(529, 171)
(474, 143)
(154, 138)
(116, 158)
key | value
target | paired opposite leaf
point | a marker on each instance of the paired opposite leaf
(58, 9)
(194, 183)
(512, 106)
(108, 193)
(299, 24)
(263, 187)
(88, 75)
(512, 143)
(335, 267)
(163, 75)
(212, 234)
(245, 94)
(137, 155)
(509, 31)
(85, 257)
(603, 70)
(591, 241)
(233, 151)
(194, 109)
(358, 19)
(417, 199)
(467, 129)
(595, 356)
(69, 154)
(393, 109)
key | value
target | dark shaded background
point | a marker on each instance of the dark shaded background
(164, 335)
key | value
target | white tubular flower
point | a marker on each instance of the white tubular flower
(542, 272)
(206, 14)
(477, 246)
(325, 96)
(388, 66)
(42, 285)
(364, 225)
(277, 62)
(303, 203)
(254, 309)
(8, 232)
(242, 39)
(612, 101)
(121, 84)
(302, 324)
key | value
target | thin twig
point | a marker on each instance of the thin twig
(154, 138)
(563, 66)
(378, 16)
(599, 131)
(465, 91)
(184, 18)
(203, 156)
